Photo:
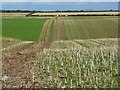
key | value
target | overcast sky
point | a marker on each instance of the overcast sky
(59, 0)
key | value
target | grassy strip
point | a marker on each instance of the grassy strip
(43, 31)
(51, 31)
(47, 31)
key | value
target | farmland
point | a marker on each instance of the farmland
(61, 52)
(75, 13)
(86, 27)
(65, 28)
(13, 15)
(80, 63)
(89, 63)
(23, 29)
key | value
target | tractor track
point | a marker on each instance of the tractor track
(45, 31)
(56, 32)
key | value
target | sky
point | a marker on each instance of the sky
(51, 5)
(61, 6)
(59, 0)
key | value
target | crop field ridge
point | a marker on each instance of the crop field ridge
(16, 45)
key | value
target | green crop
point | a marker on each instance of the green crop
(24, 29)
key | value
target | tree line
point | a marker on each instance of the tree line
(33, 11)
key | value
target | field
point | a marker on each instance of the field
(78, 63)
(60, 52)
(89, 63)
(13, 15)
(75, 13)
(23, 29)
(66, 28)
(86, 27)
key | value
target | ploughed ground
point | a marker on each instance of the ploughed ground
(18, 64)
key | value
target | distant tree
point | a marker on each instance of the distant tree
(111, 10)
(82, 11)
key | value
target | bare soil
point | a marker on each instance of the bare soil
(18, 65)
